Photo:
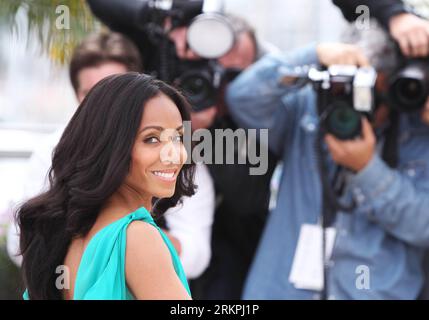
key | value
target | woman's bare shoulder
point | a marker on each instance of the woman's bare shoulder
(150, 273)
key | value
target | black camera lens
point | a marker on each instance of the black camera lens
(409, 88)
(409, 94)
(197, 88)
(343, 121)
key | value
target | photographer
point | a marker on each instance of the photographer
(373, 252)
(371, 37)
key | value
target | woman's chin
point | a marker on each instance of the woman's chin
(165, 193)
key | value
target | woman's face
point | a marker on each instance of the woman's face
(158, 153)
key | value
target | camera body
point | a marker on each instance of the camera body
(200, 81)
(409, 86)
(345, 94)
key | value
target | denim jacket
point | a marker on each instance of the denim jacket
(387, 232)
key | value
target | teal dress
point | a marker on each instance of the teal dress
(101, 273)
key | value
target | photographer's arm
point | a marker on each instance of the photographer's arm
(255, 98)
(386, 196)
(382, 10)
(410, 31)
(394, 201)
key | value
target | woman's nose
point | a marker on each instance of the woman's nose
(173, 153)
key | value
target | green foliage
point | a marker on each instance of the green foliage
(43, 19)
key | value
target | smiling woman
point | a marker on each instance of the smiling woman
(117, 155)
(155, 163)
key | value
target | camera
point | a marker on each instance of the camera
(345, 94)
(409, 86)
(200, 79)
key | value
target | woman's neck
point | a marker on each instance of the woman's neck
(129, 199)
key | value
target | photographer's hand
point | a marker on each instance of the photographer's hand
(178, 36)
(339, 53)
(411, 33)
(353, 154)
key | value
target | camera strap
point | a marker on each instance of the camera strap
(390, 147)
(330, 202)
(330, 196)
(165, 60)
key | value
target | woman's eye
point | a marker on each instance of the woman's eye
(151, 140)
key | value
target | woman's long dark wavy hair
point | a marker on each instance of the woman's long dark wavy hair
(89, 164)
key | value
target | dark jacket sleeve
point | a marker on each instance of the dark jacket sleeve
(118, 15)
(382, 10)
(126, 17)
